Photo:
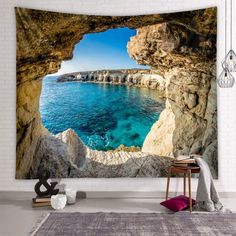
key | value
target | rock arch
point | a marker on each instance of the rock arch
(44, 39)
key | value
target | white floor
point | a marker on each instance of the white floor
(17, 216)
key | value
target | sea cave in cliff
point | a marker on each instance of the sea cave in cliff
(94, 99)
(58, 133)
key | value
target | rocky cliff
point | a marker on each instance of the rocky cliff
(187, 62)
(129, 77)
(178, 46)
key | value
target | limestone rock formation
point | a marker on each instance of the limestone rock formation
(160, 138)
(188, 67)
(65, 155)
(130, 77)
(180, 47)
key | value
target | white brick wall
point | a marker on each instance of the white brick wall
(226, 97)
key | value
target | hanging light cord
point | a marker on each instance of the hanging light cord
(226, 80)
(225, 27)
(231, 28)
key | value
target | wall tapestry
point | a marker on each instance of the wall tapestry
(114, 96)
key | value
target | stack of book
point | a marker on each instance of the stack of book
(185, 161)
(41, 201)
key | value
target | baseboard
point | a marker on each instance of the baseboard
(14, 195)
(138, 194)
(126, 194)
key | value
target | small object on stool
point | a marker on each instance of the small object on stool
(186, 170)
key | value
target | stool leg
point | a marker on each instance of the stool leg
(184, 184)
(168, 183)
(189, 189)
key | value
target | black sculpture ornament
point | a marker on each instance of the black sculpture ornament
(44, 175)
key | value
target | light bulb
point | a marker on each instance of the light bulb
(230, 64)
(226, 79)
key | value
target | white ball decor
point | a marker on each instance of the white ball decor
(58, 201)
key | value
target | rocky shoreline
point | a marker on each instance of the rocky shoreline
(129, 77)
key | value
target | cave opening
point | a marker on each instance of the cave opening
(184, 123)
(102, 93)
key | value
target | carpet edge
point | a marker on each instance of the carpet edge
(39, 223)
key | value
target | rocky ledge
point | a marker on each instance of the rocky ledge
(65, 155)
(130, 77)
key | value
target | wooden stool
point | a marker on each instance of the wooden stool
(186, 171)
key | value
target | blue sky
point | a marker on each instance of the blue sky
(103, 50)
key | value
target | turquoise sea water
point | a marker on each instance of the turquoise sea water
(103, 115)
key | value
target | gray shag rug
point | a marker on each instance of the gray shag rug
(136, 224)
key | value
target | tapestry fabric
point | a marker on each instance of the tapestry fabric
(114, 96)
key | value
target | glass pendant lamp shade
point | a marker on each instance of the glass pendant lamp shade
(226, 80)
(229, 62)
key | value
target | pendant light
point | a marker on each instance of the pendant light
(226, 79)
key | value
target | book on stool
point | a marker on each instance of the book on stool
(185, 161)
